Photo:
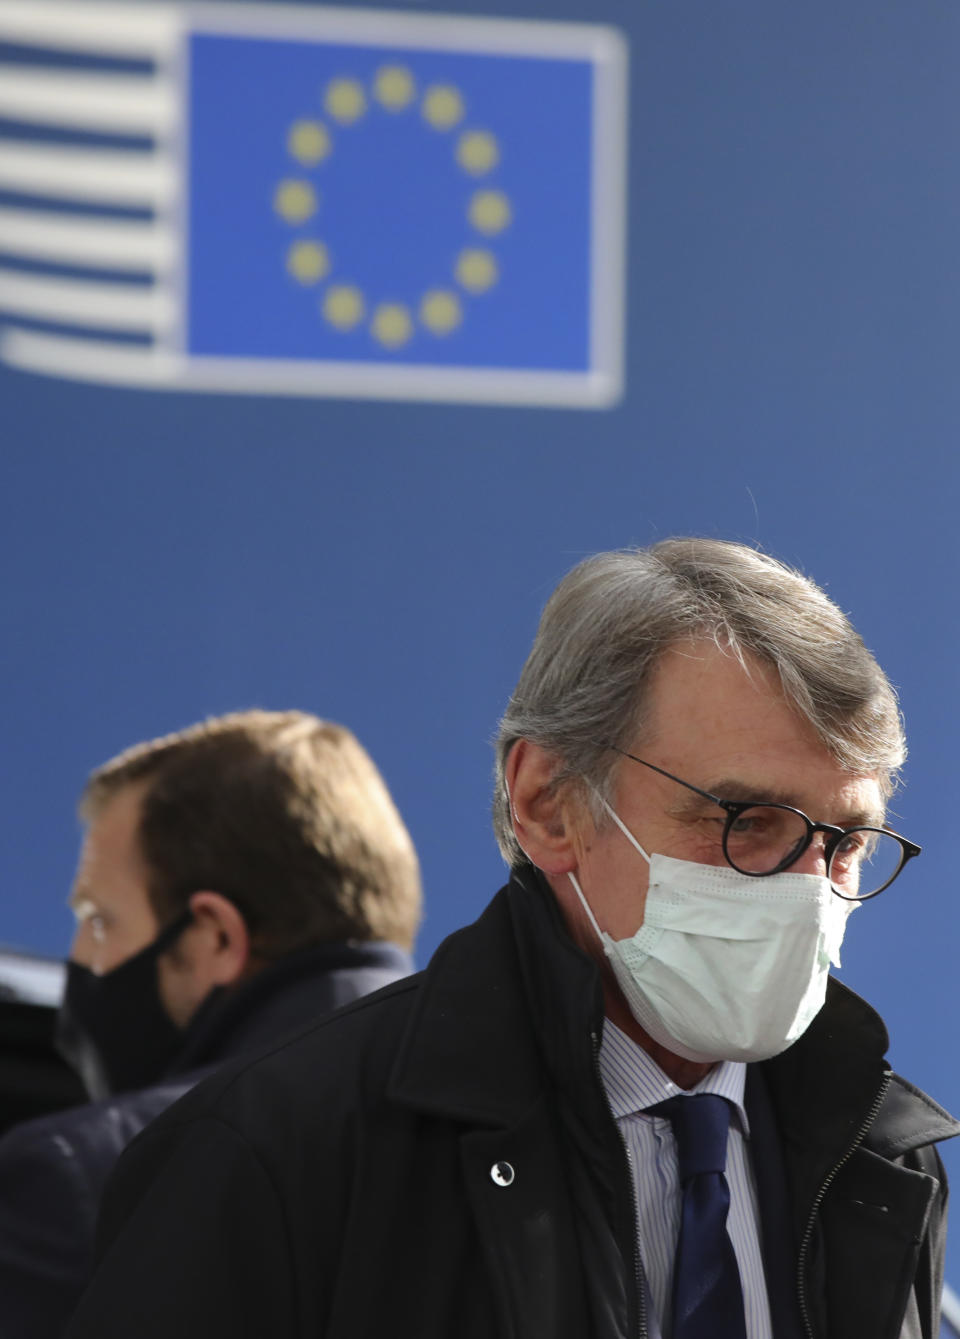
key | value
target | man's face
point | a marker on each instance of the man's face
(109, 899)
(731, 733)
(115, 919)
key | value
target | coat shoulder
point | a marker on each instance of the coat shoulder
(328, 1068)
(82, 1143)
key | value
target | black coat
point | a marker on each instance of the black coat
(352, 1184)
(34, 1079)
(53, 1169)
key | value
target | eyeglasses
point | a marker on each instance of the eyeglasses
(761, 839)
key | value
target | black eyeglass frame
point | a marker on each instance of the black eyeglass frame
(834, 835)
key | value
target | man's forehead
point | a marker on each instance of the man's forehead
(701, 667)
(120, 810)
(110, 851)
(733, 718)
(728, 728)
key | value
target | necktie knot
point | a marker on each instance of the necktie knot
(700, 1125)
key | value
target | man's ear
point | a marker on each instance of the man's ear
(543, 816)
(221, 937)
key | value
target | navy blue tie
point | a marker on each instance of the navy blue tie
(707, 1297)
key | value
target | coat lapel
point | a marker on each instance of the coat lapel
(515, 1184)
(499, 1041)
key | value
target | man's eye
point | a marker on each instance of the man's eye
(753, 822)
(856, 846)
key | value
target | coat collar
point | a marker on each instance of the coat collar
(826, 1085)
(500, 1002)
(907, 1120)
(284, 996)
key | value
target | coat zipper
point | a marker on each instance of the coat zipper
(639, 1278)
(818, 1200)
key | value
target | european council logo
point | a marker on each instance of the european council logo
(322, 201)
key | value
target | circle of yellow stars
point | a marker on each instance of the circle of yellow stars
(342, 305)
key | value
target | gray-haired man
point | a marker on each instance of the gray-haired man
(627, 1101)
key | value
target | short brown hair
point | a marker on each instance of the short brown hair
(281, 812)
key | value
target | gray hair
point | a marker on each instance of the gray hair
(584, 685)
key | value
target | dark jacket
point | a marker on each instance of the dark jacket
(34, 1080)
(439, 1160)
(53, 1169)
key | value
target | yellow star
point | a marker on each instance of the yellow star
(309, 142)
(476, 270)
(440, 311)
(391, 324)
(477, 152)
(295, 201)
(345, 100)
(489, 212)
(442, 106)
(308, 262)
(394, 88)
(343, 306)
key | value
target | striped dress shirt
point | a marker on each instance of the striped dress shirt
(633, 1082)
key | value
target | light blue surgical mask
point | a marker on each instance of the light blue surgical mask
(726, 966)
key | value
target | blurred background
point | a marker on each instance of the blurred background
(792, 299)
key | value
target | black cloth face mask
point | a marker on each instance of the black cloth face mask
(112, 1028)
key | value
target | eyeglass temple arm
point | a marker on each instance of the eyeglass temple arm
(725, 804)
(910, 849)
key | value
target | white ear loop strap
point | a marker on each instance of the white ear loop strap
(575, 881)
(623, 828)
(586, 906)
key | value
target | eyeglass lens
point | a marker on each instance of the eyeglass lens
(762, 838)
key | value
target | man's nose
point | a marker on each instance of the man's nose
(81, 946)
(813, 860)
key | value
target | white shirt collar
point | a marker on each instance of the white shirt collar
(633, 1081)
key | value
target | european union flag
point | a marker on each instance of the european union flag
(393, 205)
(321, 201)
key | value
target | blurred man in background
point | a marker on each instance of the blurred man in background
(237, 881)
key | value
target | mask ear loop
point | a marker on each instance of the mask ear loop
(576, 883)
(586, 906)
(623, 827)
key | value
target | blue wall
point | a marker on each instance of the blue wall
(791, 380)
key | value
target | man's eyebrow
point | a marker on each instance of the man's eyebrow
(738, 790)
(735, 789)
(864, 818)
